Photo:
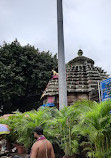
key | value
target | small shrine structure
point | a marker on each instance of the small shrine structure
(82, 81)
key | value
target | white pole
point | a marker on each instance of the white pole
(99, 91)
(61, 58)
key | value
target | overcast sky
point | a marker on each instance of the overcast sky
(87, 26)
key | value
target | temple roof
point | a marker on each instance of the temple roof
(82, 76)
(80, 59)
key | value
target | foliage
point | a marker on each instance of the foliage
(24, 74)
(30, 121)
(61, 127)
(22, 125)
(68, 127)
(95, 123)
(12, 122)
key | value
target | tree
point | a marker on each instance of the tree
(24, 74)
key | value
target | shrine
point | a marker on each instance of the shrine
(82, 81)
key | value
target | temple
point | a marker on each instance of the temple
(82, 81)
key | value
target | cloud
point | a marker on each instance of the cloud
(86, 25)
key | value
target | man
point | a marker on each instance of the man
(42, 148)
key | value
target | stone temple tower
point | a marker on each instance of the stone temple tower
(82, 81)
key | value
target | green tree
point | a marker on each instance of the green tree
(24, 74)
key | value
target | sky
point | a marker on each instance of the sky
(87, 26)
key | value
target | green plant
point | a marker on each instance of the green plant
(11, 122)
(61, 127)
(66, 127)
(95, 123)
(29, 121)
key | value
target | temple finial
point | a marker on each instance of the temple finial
(80, 52)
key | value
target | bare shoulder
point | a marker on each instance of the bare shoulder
(50, 147)
(34, 150)
(35, 145)
(49, 143)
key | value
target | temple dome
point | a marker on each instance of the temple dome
(81, 60)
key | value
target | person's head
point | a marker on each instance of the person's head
(38, 131)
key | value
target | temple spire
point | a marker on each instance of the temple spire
(80, 52)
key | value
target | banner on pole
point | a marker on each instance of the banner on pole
(105, 89)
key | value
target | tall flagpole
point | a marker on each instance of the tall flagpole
(61, 58)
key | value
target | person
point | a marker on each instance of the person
(2, 144)
(42, 148)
